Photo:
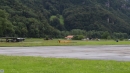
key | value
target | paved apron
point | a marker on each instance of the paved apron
(110, 52)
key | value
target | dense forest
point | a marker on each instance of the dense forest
(58, 18)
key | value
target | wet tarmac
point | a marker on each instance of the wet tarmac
(110, 52)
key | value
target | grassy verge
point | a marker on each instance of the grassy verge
(15, 64)
(40, 42)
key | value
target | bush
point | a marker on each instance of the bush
(78, 37)
(121, 39)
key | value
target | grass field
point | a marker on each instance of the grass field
(15, 64)
(42, 42)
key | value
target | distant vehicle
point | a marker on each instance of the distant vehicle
(13, 39)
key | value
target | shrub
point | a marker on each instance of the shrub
(78, 37)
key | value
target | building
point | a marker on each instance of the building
(69, 37)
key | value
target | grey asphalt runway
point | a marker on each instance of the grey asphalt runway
(110, 52)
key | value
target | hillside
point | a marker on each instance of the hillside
(42, 18)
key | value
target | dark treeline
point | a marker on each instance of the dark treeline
(58, 18)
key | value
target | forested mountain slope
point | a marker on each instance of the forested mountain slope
(40, 18)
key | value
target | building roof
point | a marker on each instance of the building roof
(69, 36)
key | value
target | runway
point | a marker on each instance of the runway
(109, 52)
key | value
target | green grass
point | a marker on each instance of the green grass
(16, 64)
(41, 42)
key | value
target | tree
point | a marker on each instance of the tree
(78, 37)
(105, 35)
(31, 18)
(78, 32)
(6, 27)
